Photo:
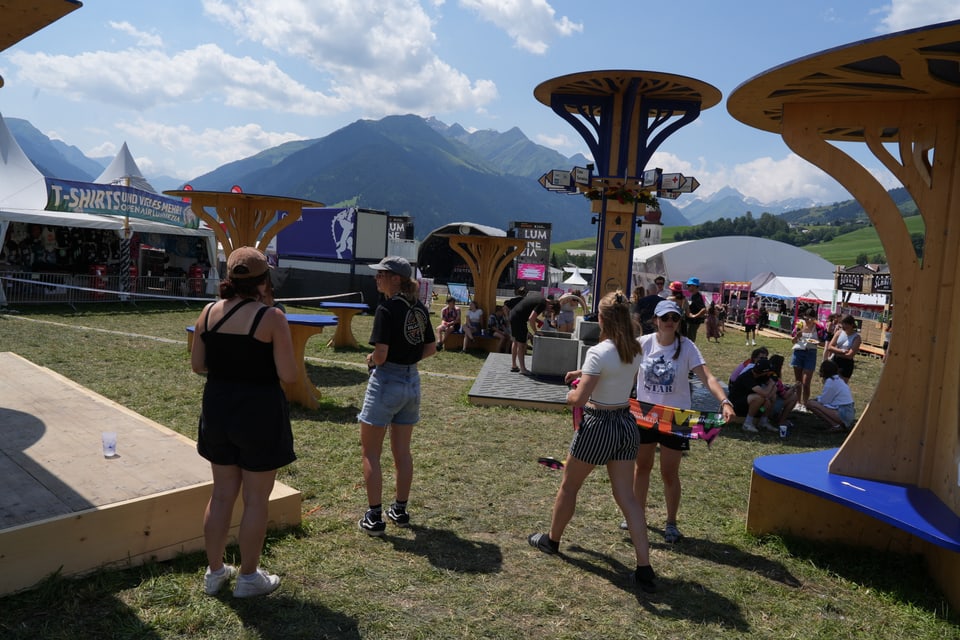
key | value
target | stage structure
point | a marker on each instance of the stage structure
(624, 117)
(900, 95)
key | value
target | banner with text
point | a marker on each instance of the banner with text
(118, 200)
(533, 264)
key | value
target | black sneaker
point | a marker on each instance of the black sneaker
(643, 577)
(398, 515)
(372, 524)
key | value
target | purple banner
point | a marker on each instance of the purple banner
(320, 233)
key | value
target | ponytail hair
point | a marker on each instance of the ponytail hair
(409, 289)
(617, 325)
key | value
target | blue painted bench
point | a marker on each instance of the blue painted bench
(916, 511)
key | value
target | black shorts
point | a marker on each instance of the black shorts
(666, 440)
(246, 425)
(845, 366)
(519, 329)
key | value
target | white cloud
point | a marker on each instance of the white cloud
(376, 57)
(204, 149)
(143, 39)
(907, 14)
(138, 80)
(559, 142)
(530, 23)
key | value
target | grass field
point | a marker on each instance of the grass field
(464, 569)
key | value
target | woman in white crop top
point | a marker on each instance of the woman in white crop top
(607, 434)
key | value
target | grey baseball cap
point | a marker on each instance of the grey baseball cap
(395, 264)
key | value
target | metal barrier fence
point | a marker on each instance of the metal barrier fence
(38, 288)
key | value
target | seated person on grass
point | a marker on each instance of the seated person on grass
(756, 354)
(835, 404)
(752, 391)
(787, 396)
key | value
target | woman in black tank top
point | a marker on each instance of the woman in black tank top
(245, 349)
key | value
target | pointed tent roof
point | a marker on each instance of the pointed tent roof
(124, 170)
(576, 280)
(23, 186)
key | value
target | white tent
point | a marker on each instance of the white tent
(728, 258)
(22, 185)
(575, 281)
(784, 287)
(23, 198)
(124, 170)
(855, 299)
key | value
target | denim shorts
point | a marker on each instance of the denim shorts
(805, 359)
(847, 413)
(393, 396)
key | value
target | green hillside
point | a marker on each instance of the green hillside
(842, 250)
(845, 249)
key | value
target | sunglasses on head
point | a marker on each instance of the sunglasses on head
(671, 317)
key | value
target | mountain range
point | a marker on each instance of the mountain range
(412, 166)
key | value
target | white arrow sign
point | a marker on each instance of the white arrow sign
(689, 185)
(546, 182)
(559, 177)
(671, 181)
(581, 175)
(670, 194)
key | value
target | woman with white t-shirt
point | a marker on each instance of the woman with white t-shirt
(607, 434)
(667, 360)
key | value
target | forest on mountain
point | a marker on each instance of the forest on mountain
(771, 227)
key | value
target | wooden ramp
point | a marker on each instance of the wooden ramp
(67, 508)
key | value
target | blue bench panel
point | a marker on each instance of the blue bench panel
(917, 511)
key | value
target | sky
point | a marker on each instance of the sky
(191, 85)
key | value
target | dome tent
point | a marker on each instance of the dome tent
(726, 259)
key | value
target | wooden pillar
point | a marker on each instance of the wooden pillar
(487, 257)
(909, 431)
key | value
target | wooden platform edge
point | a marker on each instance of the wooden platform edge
(776, 508)
(157, 527)
(490, 401)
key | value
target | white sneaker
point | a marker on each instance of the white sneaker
(765, 424)
(213, 582)
(749, 428)
(259, 583)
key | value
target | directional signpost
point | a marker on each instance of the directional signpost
(689, 185)
(651, 178)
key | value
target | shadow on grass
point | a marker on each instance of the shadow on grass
(334, 376)
(446, 550)
(281, 617)
(728, 555)
(902, 576)
(676, 599)
(326, 412)
(88, 606)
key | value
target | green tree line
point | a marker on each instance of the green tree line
(767, 226)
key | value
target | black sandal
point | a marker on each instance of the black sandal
(542, 542)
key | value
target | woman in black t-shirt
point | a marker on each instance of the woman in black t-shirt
(401, 337)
